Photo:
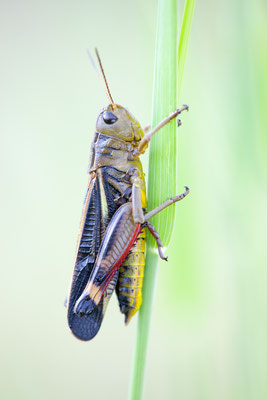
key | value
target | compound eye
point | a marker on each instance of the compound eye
(109, 118)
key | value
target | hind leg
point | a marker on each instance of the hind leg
(156, 235)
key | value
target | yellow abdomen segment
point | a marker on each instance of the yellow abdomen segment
(130, 281)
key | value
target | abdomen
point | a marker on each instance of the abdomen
(130, 281)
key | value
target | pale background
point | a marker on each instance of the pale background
(209, 329)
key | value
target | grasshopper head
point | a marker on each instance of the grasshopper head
(115, 120)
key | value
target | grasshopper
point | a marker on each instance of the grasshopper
(110, 251)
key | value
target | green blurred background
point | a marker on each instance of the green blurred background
(209, 328)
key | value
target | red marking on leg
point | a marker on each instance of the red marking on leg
(117, 265)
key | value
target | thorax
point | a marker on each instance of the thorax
(113, 152)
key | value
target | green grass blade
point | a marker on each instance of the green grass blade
(163, 148)
(184, 39)
(138, 371)
(162, 164)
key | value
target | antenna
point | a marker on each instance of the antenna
(103, 73)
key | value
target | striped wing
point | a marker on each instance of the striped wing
(119, 238)
(99, 207)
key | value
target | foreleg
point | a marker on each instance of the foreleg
(146, 139)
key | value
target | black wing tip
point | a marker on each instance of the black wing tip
(85, 327)
(84, 336)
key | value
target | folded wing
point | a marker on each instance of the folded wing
(119, 238)
(99, 206)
